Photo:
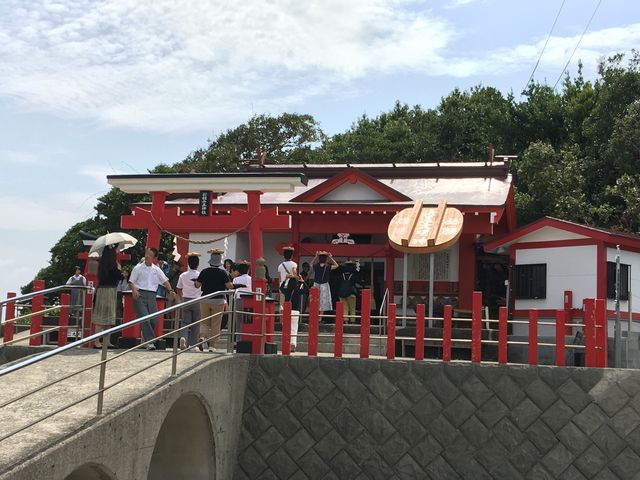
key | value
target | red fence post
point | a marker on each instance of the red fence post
(589, 333)
(502, 335)
(560, 333)
(568, 306)
(286, 328)
(476, 328)
(10, 314)
(601, 333)
(533, 337)
(37, 304)
(337, 347)
(391, 331)
(365, 323)
(419, 332)
(314, 313)
(63, 319)
(446, 333)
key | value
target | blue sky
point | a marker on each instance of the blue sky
(89, 88)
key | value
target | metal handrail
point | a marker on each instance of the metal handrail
(46, 291)
(96, 336)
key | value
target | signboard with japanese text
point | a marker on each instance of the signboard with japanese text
(205, 203)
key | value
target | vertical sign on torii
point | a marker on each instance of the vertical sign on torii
(424, 230)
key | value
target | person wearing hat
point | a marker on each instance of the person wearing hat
(348, 289)
(187, 290)
(144, 280)
(288, 268)
(212, 279)
(323, 263)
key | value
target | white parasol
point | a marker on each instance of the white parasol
(121, 239)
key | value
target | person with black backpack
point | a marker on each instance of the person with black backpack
(296, 291)
(348, 286)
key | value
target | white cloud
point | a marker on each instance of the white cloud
(19, 157)
(458, 3)
(42, 215)
(168, 65)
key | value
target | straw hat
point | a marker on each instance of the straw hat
(194, 254)
(218, 251)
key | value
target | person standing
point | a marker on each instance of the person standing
(323, 264)
(77, 279)
(296, 291)
(187, 290)
(241, 278)
(104, 309)
(166, 268)
(212, 279)
(287, 269)
(348, 289)
(144, 281)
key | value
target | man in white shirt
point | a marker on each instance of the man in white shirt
(288, 268)
(187, 290)
(144, 281)
(241, 281)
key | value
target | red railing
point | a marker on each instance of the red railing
(593, 325)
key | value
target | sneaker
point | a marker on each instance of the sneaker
(150, 347)
(183, 343)
(211, 350)
(200, 344)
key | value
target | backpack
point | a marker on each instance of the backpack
(346, 286)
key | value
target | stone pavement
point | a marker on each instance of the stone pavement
(323, 418)
(70, 391)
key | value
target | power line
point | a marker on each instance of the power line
(577, 44)
(545, 45)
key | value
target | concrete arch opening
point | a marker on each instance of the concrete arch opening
(184, 447)
(90, 471)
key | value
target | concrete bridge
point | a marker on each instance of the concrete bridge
(300, 417)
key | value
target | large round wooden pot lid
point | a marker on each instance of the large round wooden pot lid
(425, 229)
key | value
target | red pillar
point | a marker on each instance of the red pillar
(37, 304)
(255, 232)
(601, 270)
(601, 333)
(295, 239)
(286, 328)
(391, 331)
(183, 250)
(589, 332)
(476, 328)
(314, 314)
(502, 335)
(560, 333)
(446, 333)
(337, 348)
(63, 319)
(157, 211)
(533, 337)
(365, 323)
(419, 332)
(466, 270)
(10, 314)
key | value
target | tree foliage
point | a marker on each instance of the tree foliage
(578, 148)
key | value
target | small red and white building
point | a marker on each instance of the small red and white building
(550, 257)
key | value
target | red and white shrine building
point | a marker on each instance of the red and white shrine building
(312, 207)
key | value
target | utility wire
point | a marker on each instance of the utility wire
(577, 44)
(545, 45)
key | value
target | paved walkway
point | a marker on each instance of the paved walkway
(70, 393)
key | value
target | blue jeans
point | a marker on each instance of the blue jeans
(190, 314)
(145, 305)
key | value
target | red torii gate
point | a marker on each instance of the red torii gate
(172, 219)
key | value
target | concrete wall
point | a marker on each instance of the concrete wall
(187, 428)
(339, 419)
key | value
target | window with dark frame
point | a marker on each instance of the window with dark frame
(624, 281)
(530, 281)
